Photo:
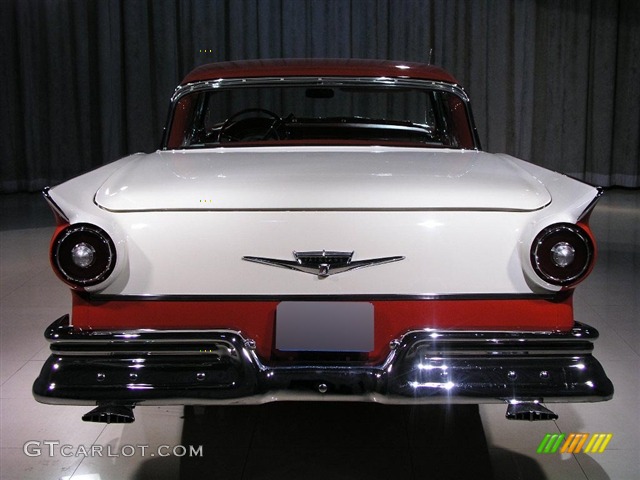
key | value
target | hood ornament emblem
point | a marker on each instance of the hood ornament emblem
(322, 263)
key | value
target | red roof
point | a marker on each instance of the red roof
(318, 67)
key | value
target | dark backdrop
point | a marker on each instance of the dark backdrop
(84, 82)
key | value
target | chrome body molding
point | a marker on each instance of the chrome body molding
(552, 297)
(221, 367)
(322, 263)
(53, 205)
(587, 211)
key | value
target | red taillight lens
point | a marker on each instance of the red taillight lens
(562, 254)
(83, 255)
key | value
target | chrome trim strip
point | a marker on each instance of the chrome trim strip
(54, 206)
(551, 297)
(296, 396)
(579, 332)
(592, 205)
(319, 210)
(61, 332)
(295, 81)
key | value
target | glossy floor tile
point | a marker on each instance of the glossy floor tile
(312, 440)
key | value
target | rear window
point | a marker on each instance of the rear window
(320, 114)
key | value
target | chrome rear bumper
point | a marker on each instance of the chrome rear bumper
(220, 367)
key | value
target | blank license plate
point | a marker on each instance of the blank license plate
(324, 326)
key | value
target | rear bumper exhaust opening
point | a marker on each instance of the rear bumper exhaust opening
(531, 411)
(110, 413)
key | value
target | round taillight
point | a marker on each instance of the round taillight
(83, 254)
(562, 254)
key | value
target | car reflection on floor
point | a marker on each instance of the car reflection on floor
(335, 441)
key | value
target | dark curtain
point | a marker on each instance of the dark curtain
(84, 82)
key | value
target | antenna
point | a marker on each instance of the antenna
(430, 55)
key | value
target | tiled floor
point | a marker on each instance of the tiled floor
(319, 440)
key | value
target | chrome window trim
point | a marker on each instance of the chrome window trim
(290, 81)
(303, 81)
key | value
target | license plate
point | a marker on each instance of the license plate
(324, 326)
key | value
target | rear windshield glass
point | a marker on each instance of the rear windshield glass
(272, 115)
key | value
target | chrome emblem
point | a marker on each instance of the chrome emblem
(322, 263)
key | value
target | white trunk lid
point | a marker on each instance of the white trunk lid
(321, 178)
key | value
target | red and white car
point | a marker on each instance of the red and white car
(321, 229)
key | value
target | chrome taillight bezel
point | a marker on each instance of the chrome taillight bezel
(101, 243)
(563, 233)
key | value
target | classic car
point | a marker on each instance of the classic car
(321, 230)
